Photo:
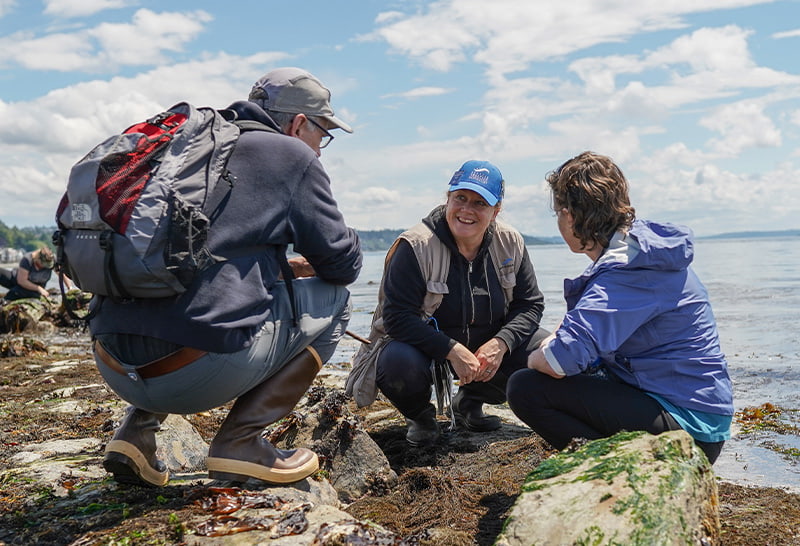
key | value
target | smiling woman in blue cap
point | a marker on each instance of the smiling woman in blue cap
(459, 293)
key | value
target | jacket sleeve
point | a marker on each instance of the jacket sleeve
(404, 291)
(318, 229)
(525, 309)
(612, 307)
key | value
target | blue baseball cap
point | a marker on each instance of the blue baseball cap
(481, 177)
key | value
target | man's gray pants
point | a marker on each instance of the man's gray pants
(323, 312)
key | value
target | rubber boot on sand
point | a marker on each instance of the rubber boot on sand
(239, 452)
(131, 454)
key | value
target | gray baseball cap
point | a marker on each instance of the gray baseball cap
(295, 91)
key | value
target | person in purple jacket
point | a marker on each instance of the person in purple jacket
(638, 348)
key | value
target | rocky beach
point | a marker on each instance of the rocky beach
(57, 416)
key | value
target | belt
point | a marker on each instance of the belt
(170, 363)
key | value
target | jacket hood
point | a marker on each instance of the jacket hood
(247, 110)
(647, 245)
(661, 246)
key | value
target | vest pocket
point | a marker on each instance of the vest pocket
(508, 280)
(433, 298)
(435, 287)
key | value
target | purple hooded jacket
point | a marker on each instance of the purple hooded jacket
(642, 312)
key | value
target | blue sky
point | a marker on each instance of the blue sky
(698, 101)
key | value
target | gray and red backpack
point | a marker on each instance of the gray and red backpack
(134, 219)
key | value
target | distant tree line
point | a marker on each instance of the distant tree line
(31, 238)
(27, 238)
(382, 239)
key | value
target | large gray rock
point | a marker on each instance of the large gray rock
(632, 488)
(352, 461)
(180, 446)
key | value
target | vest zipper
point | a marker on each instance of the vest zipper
(467, 299)
(471, 295)
(488, 290)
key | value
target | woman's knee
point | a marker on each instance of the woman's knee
(523, 383)
(401, 365)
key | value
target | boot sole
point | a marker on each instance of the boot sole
(241, 471)
(424, 443)
(130, 466)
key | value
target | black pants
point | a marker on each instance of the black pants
(15, 291)
(404, 376)
(7, 278)
(584, 406)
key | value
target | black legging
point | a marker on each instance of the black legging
(584, 406)
(7, 278)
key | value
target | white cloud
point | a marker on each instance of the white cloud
(6, 6)
(606, 107)
(599, 74)
(720, 50)
(376, 197)
(81, 8)
(708, 63)
(108, 46)
(149, 34)
(62, 52)
(787, 34)
(507, 35)
(420, 92)
(388, 16)
(742, 125)
(44, 137)
(681, 185)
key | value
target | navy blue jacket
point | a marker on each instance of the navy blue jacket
(281, 197)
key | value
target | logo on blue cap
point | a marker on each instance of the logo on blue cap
(481, 177)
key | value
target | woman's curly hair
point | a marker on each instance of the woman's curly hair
(594, 190)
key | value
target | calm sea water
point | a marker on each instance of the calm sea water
(754, 286)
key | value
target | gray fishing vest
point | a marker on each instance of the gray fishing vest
(506, 251)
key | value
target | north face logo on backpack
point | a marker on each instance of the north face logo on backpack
(133, 222)
(81, 213)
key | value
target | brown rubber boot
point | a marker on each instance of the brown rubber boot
(131, 454)
(239, 452)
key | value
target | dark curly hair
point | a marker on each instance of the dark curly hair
(594, 190)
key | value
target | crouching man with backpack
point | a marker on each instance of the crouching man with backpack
(239, 332)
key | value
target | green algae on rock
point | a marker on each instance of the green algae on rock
(631, 488)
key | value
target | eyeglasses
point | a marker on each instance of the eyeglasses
(326, 138)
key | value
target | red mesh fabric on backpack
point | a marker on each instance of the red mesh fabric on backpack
(132, 222)
(121, 177)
